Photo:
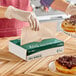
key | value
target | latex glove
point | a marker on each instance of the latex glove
(21, 15)
(71, 9)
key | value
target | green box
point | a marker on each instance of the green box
(34, 50)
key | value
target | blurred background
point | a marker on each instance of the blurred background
(46, 17)
(43, 14)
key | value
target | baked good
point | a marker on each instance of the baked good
(66, 64)
(69, 24)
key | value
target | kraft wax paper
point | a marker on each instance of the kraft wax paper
(46, 30)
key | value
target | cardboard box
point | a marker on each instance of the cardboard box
(35, 50)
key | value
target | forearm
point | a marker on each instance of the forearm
(2, 11)
(60, 5)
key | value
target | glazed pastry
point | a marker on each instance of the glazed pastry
(66, 64)
(69, 24)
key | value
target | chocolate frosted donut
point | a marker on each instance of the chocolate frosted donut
(67, 61)
(66, 64)
(71, 20)
(73, 17)
(69, 24)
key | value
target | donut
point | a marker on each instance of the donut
(69, 24)
(66, 64)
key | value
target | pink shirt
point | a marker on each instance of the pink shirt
(12, 27)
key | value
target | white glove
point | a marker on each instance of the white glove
(71, 9)
(21, 15)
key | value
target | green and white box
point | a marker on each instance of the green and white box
(35, 50)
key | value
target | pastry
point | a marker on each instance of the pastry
(69, 24)
(66, 64)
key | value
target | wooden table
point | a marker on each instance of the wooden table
(11, 65)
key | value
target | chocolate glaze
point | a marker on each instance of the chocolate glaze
(71, 20)
(67, 61)
(73, 17)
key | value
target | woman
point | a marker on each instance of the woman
(61, 5)
(15, 14)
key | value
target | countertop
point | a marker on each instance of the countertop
(11, 65)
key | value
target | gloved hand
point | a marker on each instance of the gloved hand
(21, 15)
(71, 9)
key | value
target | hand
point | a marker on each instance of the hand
(71, 9)
(34, 23)
(21, 15)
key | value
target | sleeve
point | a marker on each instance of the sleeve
(46, 3)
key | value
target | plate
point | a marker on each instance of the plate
(52, 68)
(70, 34)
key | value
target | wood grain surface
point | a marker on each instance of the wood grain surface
(11, 65)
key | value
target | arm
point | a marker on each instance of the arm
(55, 4)
(14, 13)
(60, 5)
